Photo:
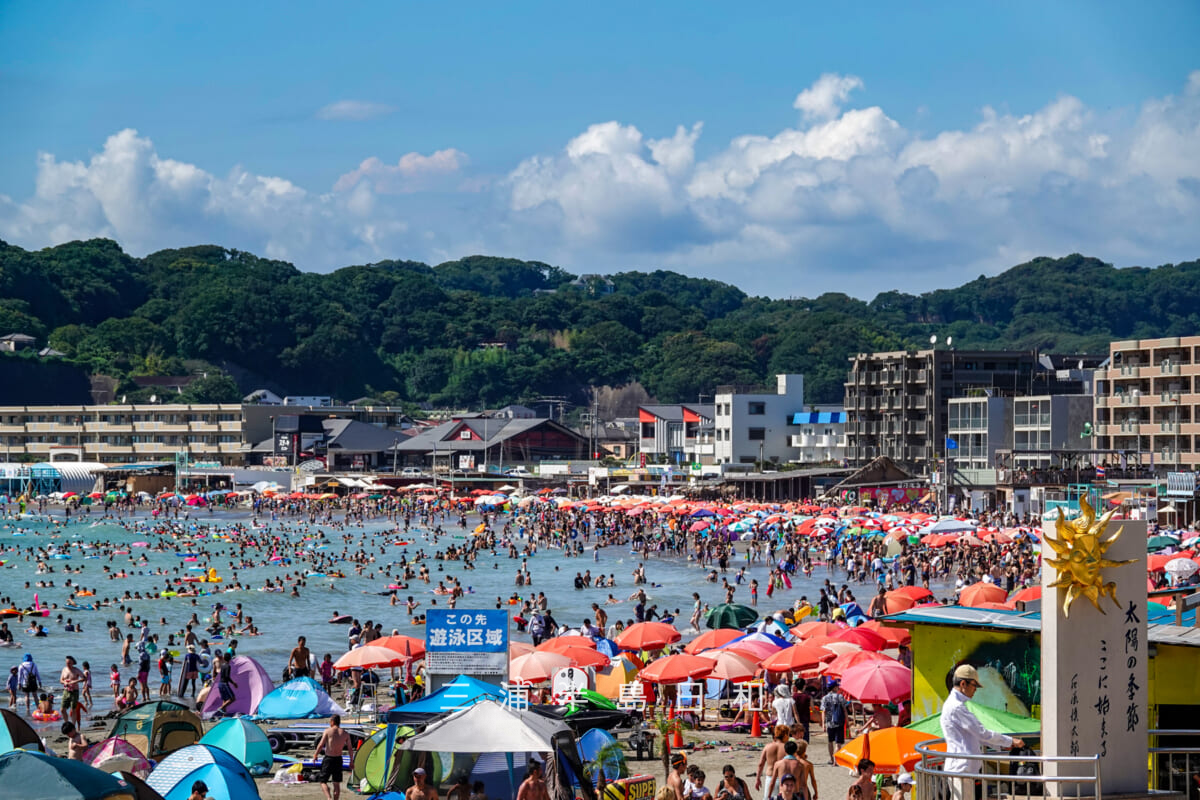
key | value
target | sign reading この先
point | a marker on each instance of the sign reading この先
(466, 641)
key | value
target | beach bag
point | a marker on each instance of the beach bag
(1025, 768)
(31, 681)
(837, 716)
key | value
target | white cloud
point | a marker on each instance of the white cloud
(849, 199)
(354, 110)
(412, 173)
(824, 98)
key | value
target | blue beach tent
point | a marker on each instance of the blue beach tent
(243, 740)
(224, 775)
(299, 698)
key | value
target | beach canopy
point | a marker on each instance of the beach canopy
(458, 693)
(252, 685)
(114, 755)
(16, 733)
(299, 698)
(225, 776)
(489, 727)
(26, 775)
(158, 727)
(991, 718)
(243, 740)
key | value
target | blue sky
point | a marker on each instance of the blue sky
(782, 147)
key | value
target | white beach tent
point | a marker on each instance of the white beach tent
(489, 727)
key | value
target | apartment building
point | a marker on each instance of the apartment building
(897, 403)
(819, 437)
(754, 423)
(1147, 402)
(125, 433)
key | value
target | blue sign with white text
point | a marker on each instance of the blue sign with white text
(470, 630)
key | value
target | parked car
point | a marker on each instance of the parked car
(518, 472)
(412, 472)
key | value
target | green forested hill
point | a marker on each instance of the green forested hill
(409, 331)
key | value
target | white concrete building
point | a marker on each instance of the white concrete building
(819, 437)
(752, 424)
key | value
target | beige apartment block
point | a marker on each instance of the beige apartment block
(125, 433)
(1147, 402)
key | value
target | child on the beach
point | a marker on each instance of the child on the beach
(114, 679)
(12, 687)
(86, 692)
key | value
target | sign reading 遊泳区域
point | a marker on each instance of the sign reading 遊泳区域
(469, 641)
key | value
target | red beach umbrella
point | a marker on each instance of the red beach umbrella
(676, 669)
(648, 636)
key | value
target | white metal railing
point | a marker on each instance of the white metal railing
(1004, 775)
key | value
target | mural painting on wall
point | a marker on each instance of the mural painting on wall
(1009, 666)
(882, 496)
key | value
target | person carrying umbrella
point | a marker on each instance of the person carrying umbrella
(965, 734)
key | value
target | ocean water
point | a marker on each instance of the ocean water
(281, 618)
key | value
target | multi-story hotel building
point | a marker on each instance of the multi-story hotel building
(1147, 402)
(124, 434)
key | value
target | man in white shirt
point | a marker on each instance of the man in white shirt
(785, 707)
(964, 732)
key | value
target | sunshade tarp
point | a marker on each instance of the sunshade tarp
(488, 727)
(253, 684)
(992, 719)
(297, 699)
(460, 692)
(243, 740)
(225, 776)
(26, 775)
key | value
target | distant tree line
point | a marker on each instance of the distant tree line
(484, 331)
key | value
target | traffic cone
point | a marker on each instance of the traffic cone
(755, 725)
(677, 739)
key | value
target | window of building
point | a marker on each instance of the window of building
(756, 409)
(756, 434)
(647, 430)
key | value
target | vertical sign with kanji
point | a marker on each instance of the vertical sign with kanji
(1094, 699)
(469, 641)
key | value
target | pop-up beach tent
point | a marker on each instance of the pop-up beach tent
(253, 684)
(243, 740)
(492, 727)
(158, 727)
(16, 733)
(114, 755)
(299, 698)
(224, 775)
(25, 775)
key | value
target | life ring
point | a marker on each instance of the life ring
(205, 663)
(84, 593)
(40, 716)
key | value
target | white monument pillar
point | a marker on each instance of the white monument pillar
(1093, 684)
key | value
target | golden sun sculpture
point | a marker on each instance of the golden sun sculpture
(1080, 547)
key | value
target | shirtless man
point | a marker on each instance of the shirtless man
(802, 768)
(770, 754)
(788, 765)
(420, 790)
(300, 660)
(71, 678)
(534, 785)
(333, 741)
(675, 777)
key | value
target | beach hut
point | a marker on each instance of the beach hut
(299, 698)
(115, 755)
(15, 733)
(26, 775)
(252, 685)
(225, 776)
(243, 740)
(158, 727)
